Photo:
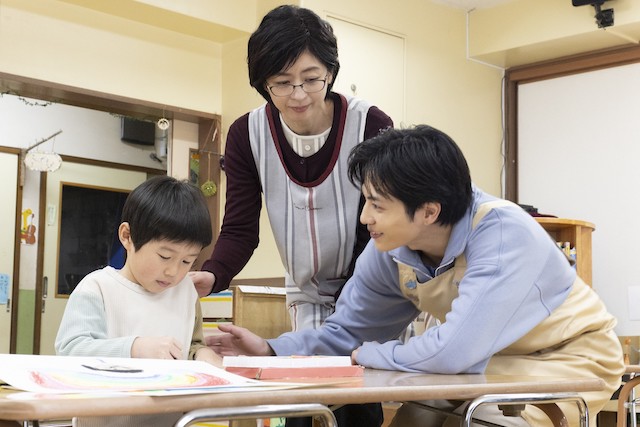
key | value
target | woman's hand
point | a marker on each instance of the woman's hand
(238, 341)
(203, 281)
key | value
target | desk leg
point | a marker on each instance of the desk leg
(623, 399)
(261, 411)
(544, 401)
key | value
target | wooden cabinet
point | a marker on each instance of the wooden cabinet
(578, 233)
(261, 309)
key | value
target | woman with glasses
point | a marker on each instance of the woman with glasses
(293, 150)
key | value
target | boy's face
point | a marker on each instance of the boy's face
(159, 264)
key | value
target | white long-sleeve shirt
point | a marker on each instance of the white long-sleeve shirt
(106, 312)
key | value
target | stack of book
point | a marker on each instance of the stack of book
(280, 367)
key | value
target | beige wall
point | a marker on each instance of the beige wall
(528, 31)
(66, 44)
(193, 55)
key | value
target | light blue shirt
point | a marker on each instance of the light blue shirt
(516, 275)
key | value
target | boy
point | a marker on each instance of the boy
(507, 299)
(149, 308)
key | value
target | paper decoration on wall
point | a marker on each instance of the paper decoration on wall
(4, 288)
(28, 230)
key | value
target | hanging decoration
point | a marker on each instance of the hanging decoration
(163, 123)
(209, 188)
(42, 161)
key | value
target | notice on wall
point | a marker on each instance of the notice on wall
(4, 288)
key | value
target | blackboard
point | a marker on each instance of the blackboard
(88, 240)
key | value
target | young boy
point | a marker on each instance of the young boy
(149, 308)
(508, 301)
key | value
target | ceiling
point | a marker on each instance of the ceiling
(472, 4)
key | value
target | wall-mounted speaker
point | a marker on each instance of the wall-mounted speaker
(138, 131)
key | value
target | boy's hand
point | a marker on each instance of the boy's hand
(238, 341)
(156, 348)
(204, 281)
(205, 354)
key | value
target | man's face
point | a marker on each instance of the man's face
(387, 221)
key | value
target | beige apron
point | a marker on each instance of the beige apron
(576, 340)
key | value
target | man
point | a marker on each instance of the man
(507, 299)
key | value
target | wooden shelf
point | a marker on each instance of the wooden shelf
(578, 234)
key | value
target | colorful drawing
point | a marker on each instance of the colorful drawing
(60, 374)
(70, 381)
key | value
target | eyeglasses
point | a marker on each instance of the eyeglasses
(287, 89)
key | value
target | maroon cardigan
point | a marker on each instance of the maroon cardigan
(239, 234)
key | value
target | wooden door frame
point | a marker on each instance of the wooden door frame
(16, 252)
(548, 70)
(209, 128)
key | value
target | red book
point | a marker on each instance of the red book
(281, 367)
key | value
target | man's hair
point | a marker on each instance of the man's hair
(416, 166)
(164, 208)
(282, 36)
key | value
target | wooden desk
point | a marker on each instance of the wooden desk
(375, 386)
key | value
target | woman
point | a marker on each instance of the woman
(294, 150)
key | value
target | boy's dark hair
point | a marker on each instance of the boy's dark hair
(165, 208)
(415, 166)
(282, 36)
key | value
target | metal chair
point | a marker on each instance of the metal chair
(547, 402)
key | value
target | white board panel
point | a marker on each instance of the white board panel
(579, 157)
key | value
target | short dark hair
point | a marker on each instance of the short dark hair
(164, 208)
(283, 35)
(416, 166)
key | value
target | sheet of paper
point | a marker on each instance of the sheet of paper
(63, 374)
(4, 288)
(251, 289)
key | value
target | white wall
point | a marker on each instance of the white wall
(578, 147)
(85, 133)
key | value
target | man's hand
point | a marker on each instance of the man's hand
(238, 341)
(354, 356)
(156, 348)
(203, 281)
